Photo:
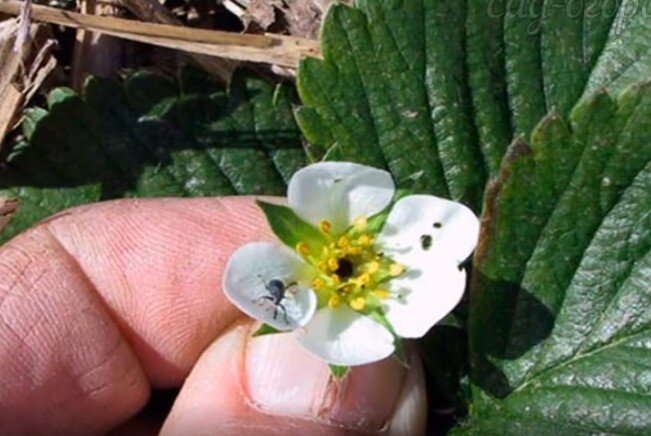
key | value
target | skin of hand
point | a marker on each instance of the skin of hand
(101, 304)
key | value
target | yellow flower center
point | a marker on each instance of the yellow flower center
(348, 269)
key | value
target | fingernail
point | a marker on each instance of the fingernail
(285, 380)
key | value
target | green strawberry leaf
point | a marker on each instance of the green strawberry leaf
(560, 326)
(152, 137)
(441, 87)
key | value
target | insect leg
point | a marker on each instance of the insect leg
(284, 312)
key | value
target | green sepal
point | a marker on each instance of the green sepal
(338, 371)
(400, 194)
(265, 329)
(377, 221)
(399, 353)
(452, 320)
(289, 227)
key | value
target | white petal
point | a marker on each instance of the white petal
(428, 295)
(339, 192)
(342, 336)
(451, 227)
(247, 275)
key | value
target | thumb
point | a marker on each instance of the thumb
(269, 385)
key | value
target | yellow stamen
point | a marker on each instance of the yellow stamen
(381, 293)
(372, 267)
(334, 300)
(302, 248)
(396, 269)
(351, 250)
(325, 226)
(345, 290)
(364, 240)
(360, 222)
(363, 279)
(358, 303)
(354, 255)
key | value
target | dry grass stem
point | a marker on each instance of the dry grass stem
(95, 54)
(272, 49)
(22, 70)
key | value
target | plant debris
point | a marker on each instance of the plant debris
(292, 17)
(25, 62)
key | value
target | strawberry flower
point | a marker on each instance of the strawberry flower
(356, 272)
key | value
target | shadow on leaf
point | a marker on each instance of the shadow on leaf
(509, 322)
(153, 137)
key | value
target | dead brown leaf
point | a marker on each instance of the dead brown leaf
(304, 17)
(262, 12)
(293, 17)
(7, 208)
